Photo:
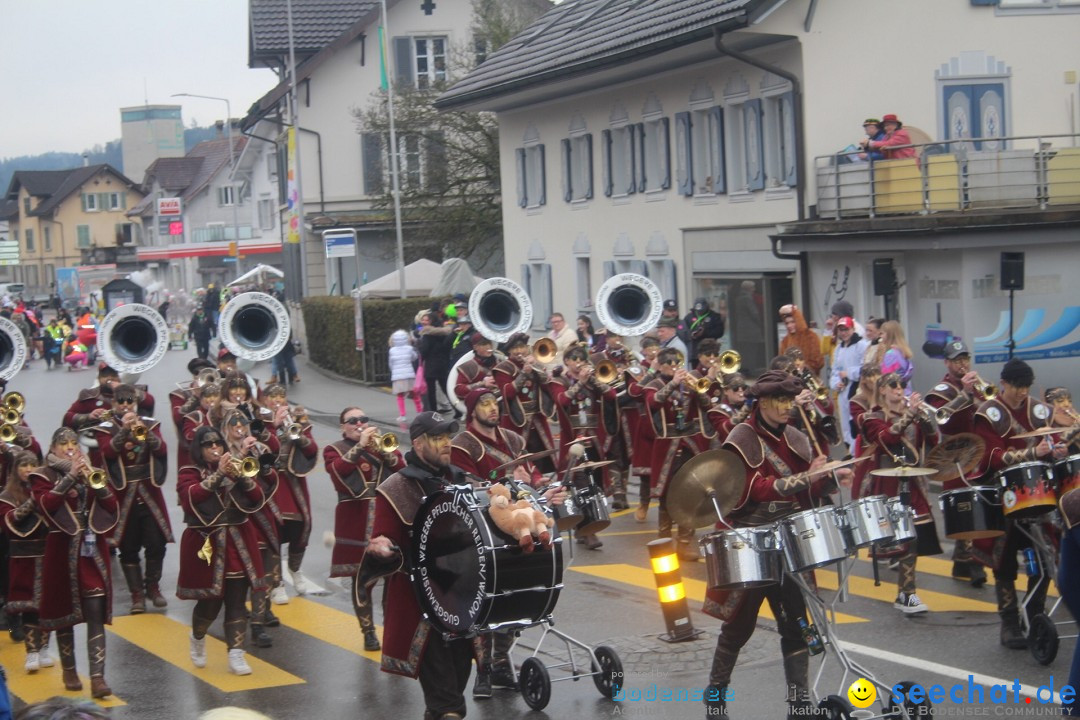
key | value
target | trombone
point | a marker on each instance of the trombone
(606, 372)
(545, 351)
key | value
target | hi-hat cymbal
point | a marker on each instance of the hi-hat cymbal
(837, 464)
(903, 471)
(715, 473)
(1040, 432)
(526, 458)
(964, 449)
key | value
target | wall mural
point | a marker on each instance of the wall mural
(1032, 343)
(837, 289)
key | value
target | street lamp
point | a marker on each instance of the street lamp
(232, 165)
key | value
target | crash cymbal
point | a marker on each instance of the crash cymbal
(715, 473)
(964, 449)
(1040, 432)
(529, 457)
(583, 438)
(837, 464)
(903, 471)
(592, 465)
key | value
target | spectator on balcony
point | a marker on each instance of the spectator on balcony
(896, 136)
(874, 132)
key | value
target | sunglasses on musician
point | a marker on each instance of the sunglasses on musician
(125, 400)
(211, 442)
(897, 384)
(359, 420)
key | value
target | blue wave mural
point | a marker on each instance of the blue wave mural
(1031, 342)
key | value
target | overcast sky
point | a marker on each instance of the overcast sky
(70, 65)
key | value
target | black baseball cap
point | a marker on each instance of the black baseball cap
(432, 423)
(955, 349)
(671, 305)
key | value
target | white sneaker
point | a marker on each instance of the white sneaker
(278, 596)
(197, 649)
(43, 658)
(910, 604)
(303, 586)
(402, 418)
(33, 662)
(237, 664)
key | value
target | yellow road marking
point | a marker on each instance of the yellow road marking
(695, 589)
(46, 682)
(606, 534)
(168, 639)
(939, 567)
(886, 592)
(620, 513)
(328, 624)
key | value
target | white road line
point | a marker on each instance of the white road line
(948, 671)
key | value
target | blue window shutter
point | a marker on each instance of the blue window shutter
(755, 151)
(522, 187)
(588, 167)
(605, 161)
(547, 305)
(668, 279)
(791, 172)
(543, 176)
(719, 161)
(526, 279)
(83, 197)
(403, 61)
(665, 152)
(567, 171)
(641, 156)
(684, 152)
(640, 267)
(609, 269)
(631, 186)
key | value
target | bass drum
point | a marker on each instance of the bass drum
(470, 576)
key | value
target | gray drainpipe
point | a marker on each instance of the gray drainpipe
(800, 145)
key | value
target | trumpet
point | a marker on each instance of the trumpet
(10, 416)
(384, 442)
(814, 385)
(606, 372)
(14, 401)
(984, 388)
(946, 411)
(247, 467)
(94, 477)
(730, 361)
(7, 433)
(140, 432)
(545, 350)
(698, 384)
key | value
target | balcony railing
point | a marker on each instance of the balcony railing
(953, 176)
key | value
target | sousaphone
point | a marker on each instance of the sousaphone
(132, 339)
(254, 326)
(629, 304)
(12, 349)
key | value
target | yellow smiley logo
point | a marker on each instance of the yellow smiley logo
(862, 693)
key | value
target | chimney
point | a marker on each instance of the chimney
(220, 125)
(86, 159)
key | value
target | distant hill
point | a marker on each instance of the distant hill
(108, 153)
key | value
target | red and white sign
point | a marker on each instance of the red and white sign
(169, 207)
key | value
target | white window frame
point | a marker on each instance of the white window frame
(426, 60)
(623, 161)
(656, 146)
(778, 137)
(414, 178)
(266, 214)
(579, 171)
(703, 150)
(534, 176)
(583, 270)
(114, 201)
(29, 235)
(46, 238)
(91, 202)
(227, 196)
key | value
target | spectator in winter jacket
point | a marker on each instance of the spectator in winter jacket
(283, 366)
(846, 367)
(563, 335)
(403, 359)
(897, 357)
(801, 336)
(896, 135)
(201, 329)
(434, 348)
(874, 131)
(701, 323)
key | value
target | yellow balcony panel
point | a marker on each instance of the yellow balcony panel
(1063, 177)
(897, 186)
(943, 182)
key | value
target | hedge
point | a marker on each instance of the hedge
(331, 339)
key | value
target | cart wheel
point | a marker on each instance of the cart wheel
(535, 683)
(1043, 639)
(834, 707)
(910, 709)
(609, 672)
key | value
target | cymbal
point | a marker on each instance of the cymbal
(591, 465)
(837, 464)
(529, 457)
(583, 438)
(903, 471)
(1040, 432)
(715, 473)
(964, 449)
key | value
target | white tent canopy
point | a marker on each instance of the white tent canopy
(456, 278)
(257, 275)
(423, 278)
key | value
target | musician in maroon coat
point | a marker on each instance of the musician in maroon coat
(76, 565)
(356, 467)
(207, 414)
(184, 399)
(219, 550)
(637, 376)
(137, 470)
(410, 646)
(476, 373)
(781, 478)
(92, 403)
(522, 381)
(1013, 411)
(26, 530)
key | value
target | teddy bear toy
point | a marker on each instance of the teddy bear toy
(519, 519)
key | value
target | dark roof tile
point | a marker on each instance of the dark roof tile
(316, 23)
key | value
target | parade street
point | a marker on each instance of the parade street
(317, 668)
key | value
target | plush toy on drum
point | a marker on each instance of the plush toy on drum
(520, 520)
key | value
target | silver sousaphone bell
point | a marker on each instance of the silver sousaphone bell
(132, 339)
(629, 304)
(254, 326)
(12, 349)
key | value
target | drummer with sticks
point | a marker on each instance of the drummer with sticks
(782, 477)
(1012, 412)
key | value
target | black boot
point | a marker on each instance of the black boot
(153, 581)
(371, 640)
(133, 576)
(715, 704)
(502, 674)
(1011, 635)
(16, 628)
(259, 636)
(269, 618)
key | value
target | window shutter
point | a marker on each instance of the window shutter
(719, 164)
(665, 153)
(984, 2)
(543, 175)
(790, 167)
(83, 198)
(755, 149)
(403, 61)
(588, 167)
(631, 160)
(547, 297)
(640, 267)
(641, 156)
(609, 269)
(522, 182)
(668, 279)
(605, 161)
(567, 171)
(526, 279)
(123, 201)
(371, 145)
(435, 161)
(684, 155)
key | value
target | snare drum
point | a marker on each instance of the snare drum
(902, 518)
(868, 521)
(744, 558)
(973, 513)
(592, 505)
(567, 516)
(813, 538)
(470, 576)
(1028, 490)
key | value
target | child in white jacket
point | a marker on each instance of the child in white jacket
(402, 372)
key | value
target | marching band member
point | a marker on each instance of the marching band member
(1068, 580)
(185, 399)
(956, 393)
(585, 408)
(93, 402)
(80, 511)
(864, 399)
(207, 414)
(641, 452)
(900, 431)
(521, 382)
(677, 411)
(781, 478)
(135, 457)
(219, 558)
(1011, 412)
(297, 456)
(356, 467)
(27, 531)
(621, 443)
(477, 372)
(1060, 399)
(410, 648)
(731, 408)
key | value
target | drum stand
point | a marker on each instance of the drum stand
(1041, 630)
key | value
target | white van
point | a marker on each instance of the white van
(11, 289)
